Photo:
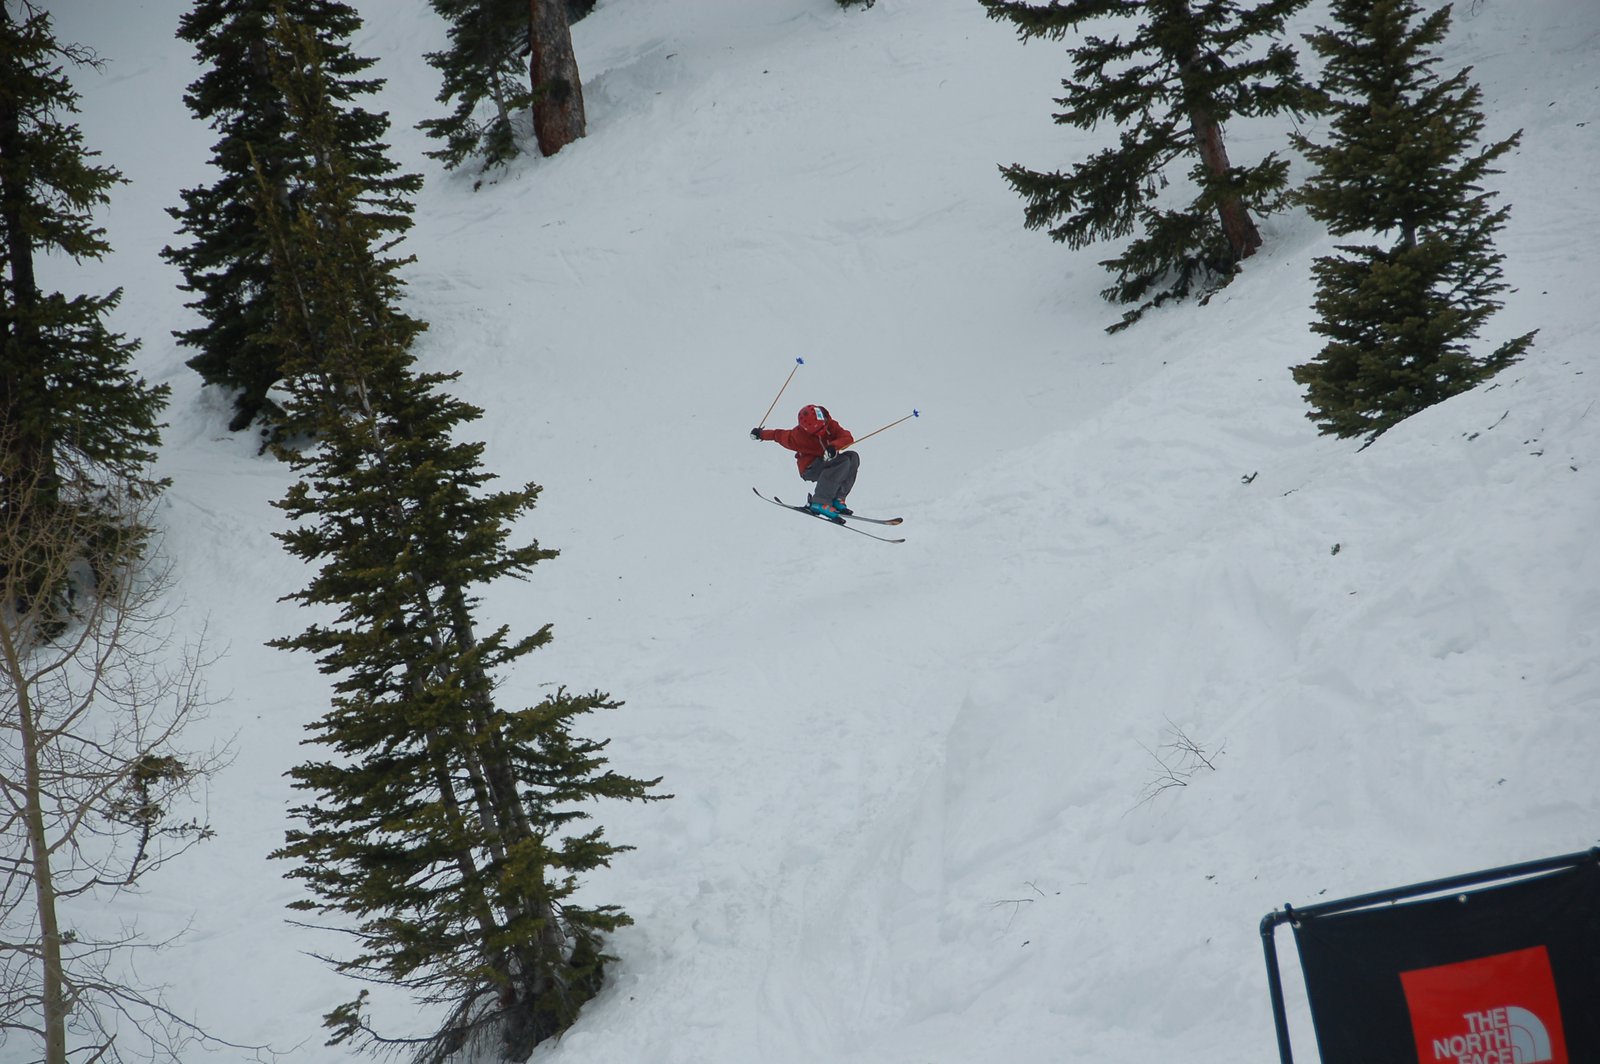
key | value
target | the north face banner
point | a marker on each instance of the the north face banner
(1508, 974)
(1460, 1013)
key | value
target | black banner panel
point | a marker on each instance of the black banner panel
(1507, 974)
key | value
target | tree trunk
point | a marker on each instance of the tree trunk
(52, 997)
(558, 117)
(1237, 224)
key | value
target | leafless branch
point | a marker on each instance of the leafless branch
(95, 693)
(1177, 761)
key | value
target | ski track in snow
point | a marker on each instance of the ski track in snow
(918, 815)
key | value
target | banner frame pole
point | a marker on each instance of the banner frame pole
(1280, 1014)
(1439, 886)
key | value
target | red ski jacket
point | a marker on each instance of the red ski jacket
(816, 430)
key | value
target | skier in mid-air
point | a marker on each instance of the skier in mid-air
(820, 447)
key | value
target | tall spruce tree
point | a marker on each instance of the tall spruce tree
(506, 58)
(1184, 69)
(1400, 161)
(226, 262)
(443, 825)
(72, 411)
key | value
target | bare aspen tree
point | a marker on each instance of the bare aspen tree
(94, 695)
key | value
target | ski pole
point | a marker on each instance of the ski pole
(890, 425)
(797, 364)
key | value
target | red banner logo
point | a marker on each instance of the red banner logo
(1494, 1010)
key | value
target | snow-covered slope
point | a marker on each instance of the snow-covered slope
(919, 812)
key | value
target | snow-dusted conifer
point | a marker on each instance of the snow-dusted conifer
(71, 409)
(226, 262)
(1170, 77)
(441, 825)
(1400, 161)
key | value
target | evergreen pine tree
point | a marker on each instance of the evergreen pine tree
(1401, 161)
(506, 58)
(483, 70)
(226, 263)
(1184, 69)
(71, 409)
(443, 824)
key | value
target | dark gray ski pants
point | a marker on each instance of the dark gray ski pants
(835, 478)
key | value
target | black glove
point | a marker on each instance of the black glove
(830, 452)
(755, 433)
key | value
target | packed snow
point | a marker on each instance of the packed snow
(932, 805)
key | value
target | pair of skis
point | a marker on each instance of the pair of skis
(841, 522)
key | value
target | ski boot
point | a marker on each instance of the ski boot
(823, 509)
